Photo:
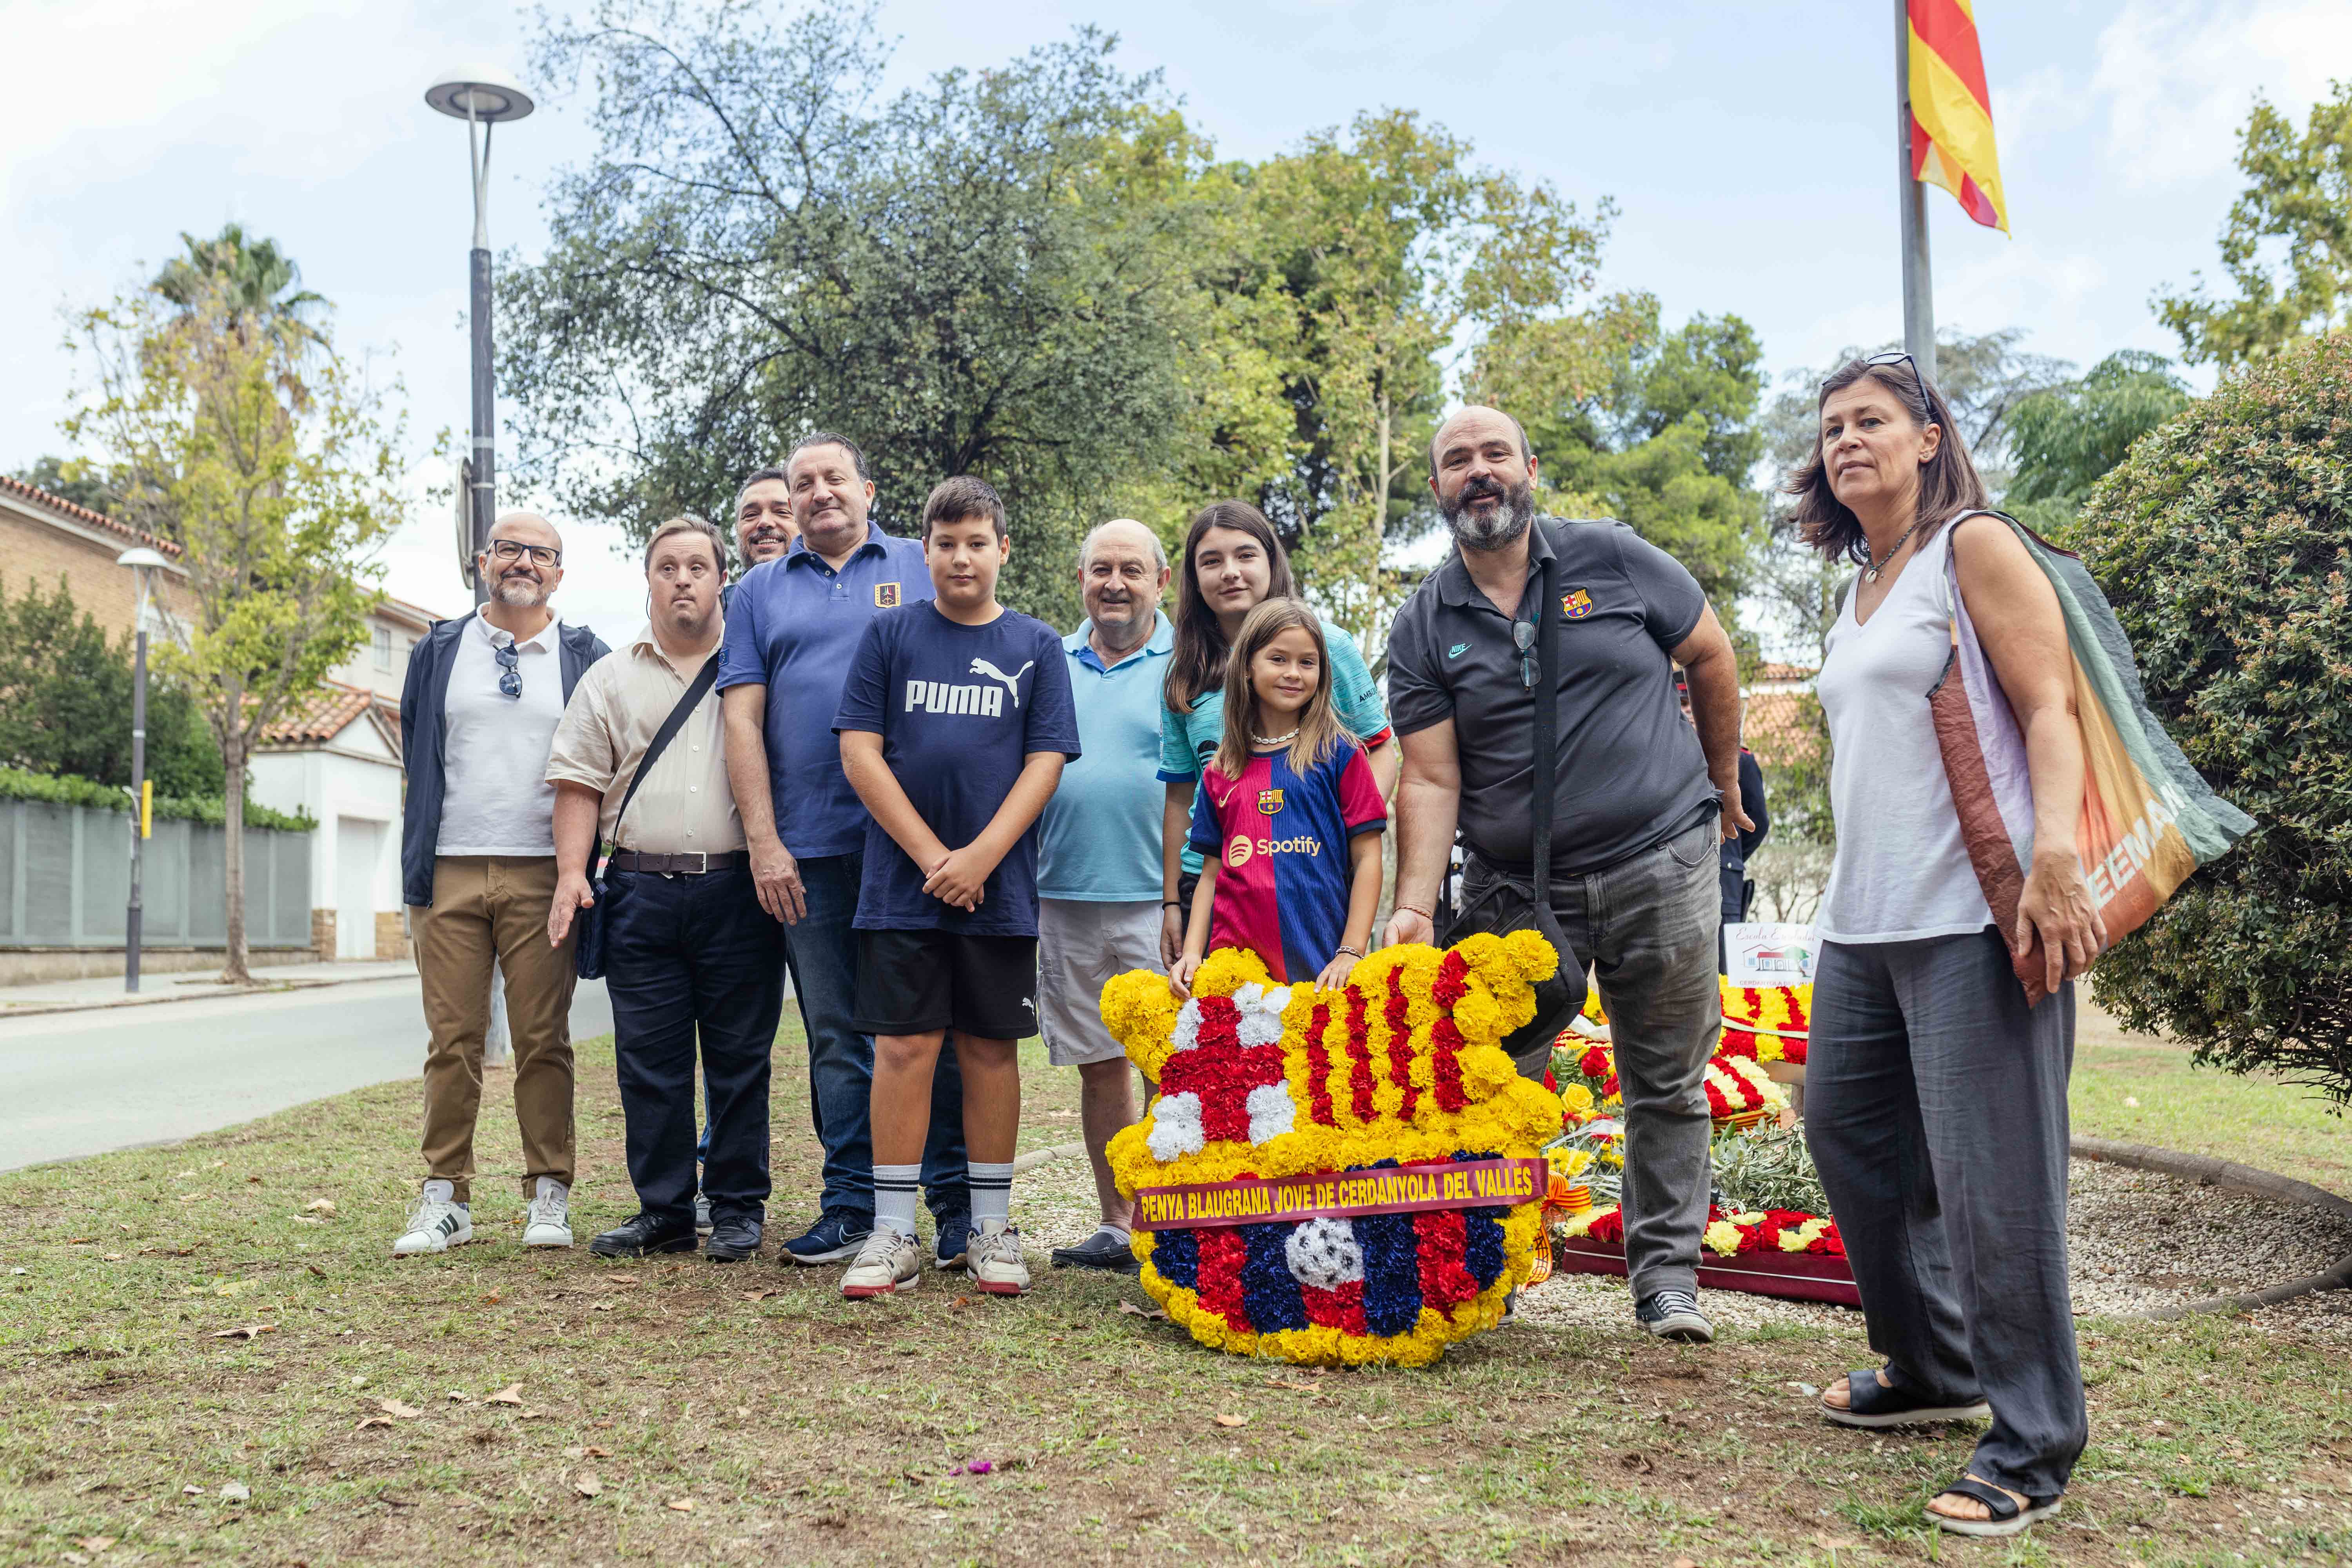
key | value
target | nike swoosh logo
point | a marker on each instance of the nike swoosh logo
(1457, 650)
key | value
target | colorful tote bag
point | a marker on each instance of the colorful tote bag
(2148, 819)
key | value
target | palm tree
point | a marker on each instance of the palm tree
(257, 284)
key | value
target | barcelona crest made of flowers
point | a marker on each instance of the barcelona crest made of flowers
(1337, 1176)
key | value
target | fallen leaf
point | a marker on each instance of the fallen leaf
(217, 1165)
(1636, 1462)
(320, 1205)
(368, 1421)
(757, 1295)
(741, 1411)
(113, 1256)
(254, 1181)
(1131, 1309)
(596, 1453)
(600, 1306)
(588, 1485)
(79, 1241)
(459, 1397)
(247, 1331)
(235, 1492)
(394, 1407)
(1684, 1563)
(95, 1542)
(961, 1301)
(183, 1175)
(307, 1219)
(493, 1299)
(316, 1270)
(511, 1394)
(1233, 1420)
(192, 1490)
(681, 1505)
(1294, 1384)
(76, 1558)
(620, 1279)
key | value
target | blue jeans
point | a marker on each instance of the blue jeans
(823, 959)
(688, 956)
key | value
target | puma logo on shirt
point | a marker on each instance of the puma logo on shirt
(941, 697)
(1011, 682)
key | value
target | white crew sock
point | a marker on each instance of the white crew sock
(896, 1188)
(991, 1191)
(441, 1191)
(1117, 1233)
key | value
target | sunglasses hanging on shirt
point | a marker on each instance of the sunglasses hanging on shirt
(509, 670)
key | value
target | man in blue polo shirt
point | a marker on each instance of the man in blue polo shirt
(792, 630)
(1099, 850)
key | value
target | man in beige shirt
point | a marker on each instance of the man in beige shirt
(688, 950)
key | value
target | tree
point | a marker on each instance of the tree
(987, 275)
(2224, 543)
(2064, 438)
(2287, 245)
(261, 454)
(252, 282)
(65, 702)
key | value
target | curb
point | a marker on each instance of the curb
(2206, 1170)
(1024, 1163)
(214, 994)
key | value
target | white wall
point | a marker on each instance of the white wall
(355, 775)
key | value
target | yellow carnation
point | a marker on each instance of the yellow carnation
(1723, 1237)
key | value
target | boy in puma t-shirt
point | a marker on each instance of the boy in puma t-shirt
(954, 726)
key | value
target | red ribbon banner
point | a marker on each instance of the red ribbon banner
(1335, 1195)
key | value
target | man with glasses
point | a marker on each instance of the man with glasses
(1639, 801)
(477, 866)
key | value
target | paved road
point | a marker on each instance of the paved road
(81, 1083)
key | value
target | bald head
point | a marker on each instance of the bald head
(1482, 477)
(1123, 574)
(1471, 422)
(524, 559)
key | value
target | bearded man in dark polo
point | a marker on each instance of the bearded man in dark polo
(1640, 801)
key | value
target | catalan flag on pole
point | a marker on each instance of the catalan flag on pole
(1951, 112)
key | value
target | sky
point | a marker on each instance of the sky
(1747, 144)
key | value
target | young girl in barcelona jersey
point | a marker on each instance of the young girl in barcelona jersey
(1289, 816)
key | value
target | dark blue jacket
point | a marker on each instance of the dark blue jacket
(424, 702)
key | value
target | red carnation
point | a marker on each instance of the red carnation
(1595, 1063)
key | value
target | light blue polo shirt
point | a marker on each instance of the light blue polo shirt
(794, 624)
(1099, 839)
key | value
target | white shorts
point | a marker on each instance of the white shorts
(1080, 947)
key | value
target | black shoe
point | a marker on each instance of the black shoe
(642, 1236)
(1099, 1251)
(952, 1244)
(735, 1240)
(1673, 1315)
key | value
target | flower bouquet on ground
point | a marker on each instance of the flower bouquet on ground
(1337, 1176)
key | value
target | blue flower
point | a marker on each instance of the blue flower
(1177, 1255)
(1269, 1291)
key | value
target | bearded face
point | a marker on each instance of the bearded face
(1486, 514)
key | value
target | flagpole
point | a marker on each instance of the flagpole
(1918, 291)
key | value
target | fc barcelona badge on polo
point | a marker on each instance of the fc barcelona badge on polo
(885, 596)
(1269, 801)
(1576, 604)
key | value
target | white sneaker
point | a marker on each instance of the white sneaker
(548, 1222)
(994, 1259)
(888, 1264)
(435, 1224)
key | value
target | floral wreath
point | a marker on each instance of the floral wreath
(1258, 1083)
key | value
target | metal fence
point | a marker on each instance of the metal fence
(64, 879)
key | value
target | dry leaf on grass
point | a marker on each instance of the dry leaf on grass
(113, 1256)
(1294, 1384)
(316, 1270)
(192, 1490)
(79, 1241)
(394, 1407)
(620, 1279)
(588, 1485)
(600, 1306)
(235, 1492)
(1684, 1563)
(459, 1397)
(247, 1331)
(757, 1295)
(1639, 1463)
(95, 1542)
(493, 1299)
(1131, 1309)
(511, 1394)
(368, 1421)
(320, 1205)
(596, 1453)
(681, 1504)
(1233, 1420)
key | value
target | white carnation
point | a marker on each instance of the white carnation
(1246, 997)
(1323, 1253)
(1175, 1127)
(1188, 1025)
(1270, 1111)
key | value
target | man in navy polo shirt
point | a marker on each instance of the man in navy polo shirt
(792, 631)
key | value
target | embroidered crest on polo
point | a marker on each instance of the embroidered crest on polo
(1576, 604)
(1269, 801)
(885, 596)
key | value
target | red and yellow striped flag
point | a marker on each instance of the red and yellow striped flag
(1951, 112)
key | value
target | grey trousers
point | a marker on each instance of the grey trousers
(1935, 1109)
(1646, 927)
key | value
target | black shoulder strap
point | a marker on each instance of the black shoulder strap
(1545, 774)
(670, 726)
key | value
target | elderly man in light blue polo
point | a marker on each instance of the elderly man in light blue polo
(1098, 853)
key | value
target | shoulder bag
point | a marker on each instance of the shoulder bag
(588, 934)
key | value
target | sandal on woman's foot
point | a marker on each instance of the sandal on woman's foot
(1870, 1403)
(2008, 1516)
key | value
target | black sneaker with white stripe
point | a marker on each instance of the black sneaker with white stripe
(1675, 1315)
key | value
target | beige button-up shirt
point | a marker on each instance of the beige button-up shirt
(686, 804)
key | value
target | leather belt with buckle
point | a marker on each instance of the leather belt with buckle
(694, 865)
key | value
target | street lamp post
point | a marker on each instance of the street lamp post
(481, 96)
(142, 562)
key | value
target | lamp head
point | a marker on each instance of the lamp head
(490, 94)
(141, 558)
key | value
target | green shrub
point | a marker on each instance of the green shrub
(2224, 542)
(65, 789)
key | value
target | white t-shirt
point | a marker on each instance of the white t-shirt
(1902, 872)
(496, 799)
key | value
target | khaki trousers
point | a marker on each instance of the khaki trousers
(489, 906)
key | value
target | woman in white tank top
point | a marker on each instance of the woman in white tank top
(1936, 1099)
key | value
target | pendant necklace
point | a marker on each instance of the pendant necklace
(1874, 564)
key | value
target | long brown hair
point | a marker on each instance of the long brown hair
(1198, 660)
(1948, 481)
(1319, 730)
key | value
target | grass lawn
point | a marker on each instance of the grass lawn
(748, 1414)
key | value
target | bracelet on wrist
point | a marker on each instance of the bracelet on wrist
(1172, 903)
(1416, 909)
(1352, 952)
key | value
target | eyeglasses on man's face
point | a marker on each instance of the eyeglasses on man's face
(515, 550)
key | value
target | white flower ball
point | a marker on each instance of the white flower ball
(1271, 1110)
(1175, 1127)
(1188, 1025)
(1323, 1253)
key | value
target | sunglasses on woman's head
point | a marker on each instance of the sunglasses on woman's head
(1886, 361)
